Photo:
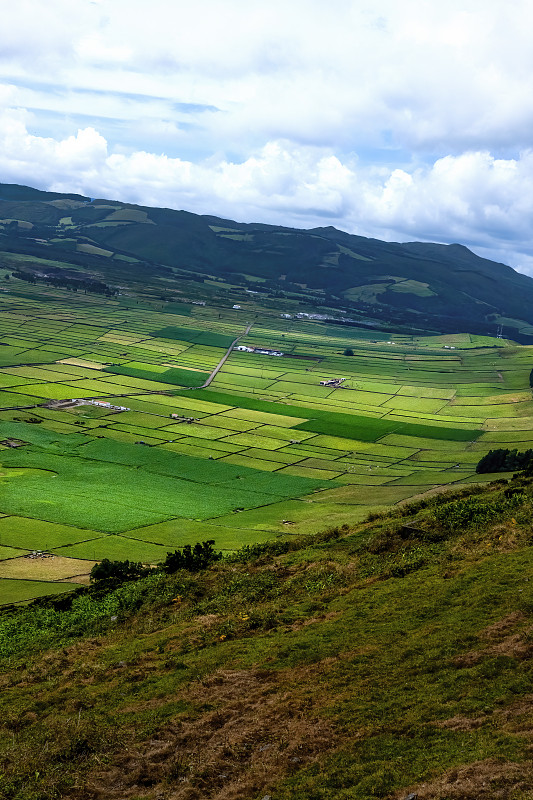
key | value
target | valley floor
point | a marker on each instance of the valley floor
(266, 451)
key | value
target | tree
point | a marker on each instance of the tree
(348, 352)
(113, 573)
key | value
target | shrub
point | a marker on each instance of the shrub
(192, 559)
(461, 514)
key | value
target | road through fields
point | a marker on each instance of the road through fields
(224, 358)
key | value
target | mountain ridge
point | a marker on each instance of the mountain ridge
(441, 287)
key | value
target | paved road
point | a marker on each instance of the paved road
(224, 358)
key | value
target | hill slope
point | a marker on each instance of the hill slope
(365, 663)
(427, 286)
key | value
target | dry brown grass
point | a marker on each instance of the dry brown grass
(53, 568)
(503, 640)
(257, 732)
(482, 780)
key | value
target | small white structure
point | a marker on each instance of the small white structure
(332, 382)
(244, 349)
(236, 306)
(263, 351)
(100, 404)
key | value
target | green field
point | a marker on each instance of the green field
(19, 591)
(264, 451)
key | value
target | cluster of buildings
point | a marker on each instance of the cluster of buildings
(102, 404)
(12, 442)
(263, 351)
(305, 315)
(59, 404)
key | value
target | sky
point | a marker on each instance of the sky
(401, 121)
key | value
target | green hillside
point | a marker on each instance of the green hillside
(371, 662)
(417, 285)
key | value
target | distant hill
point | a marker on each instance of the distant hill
(420, 285)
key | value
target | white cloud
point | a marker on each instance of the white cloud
(408, 120)
(473, 198)
(457, 72)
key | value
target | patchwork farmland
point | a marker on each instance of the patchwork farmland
(266, 450)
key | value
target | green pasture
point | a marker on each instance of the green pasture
(254, 440)
(217, 447)
(293, 517)
(123, 384)
(208, 338)
(106, 490)
(37, 534)
(254, 462)
(196, 448)
(115, 548)
(194, 429)
(8, 381)
(176, 376)
(33, 373)
(179, 532)
(140, 419)
(10, 552)
(227, 423)
(111, 432)
(139, 431)
(20, 591)
(420, 404)
(337, 423)
(13, 399)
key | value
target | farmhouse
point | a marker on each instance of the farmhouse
(332, 382)
(103, 404)
(60, 405)
(263, 351)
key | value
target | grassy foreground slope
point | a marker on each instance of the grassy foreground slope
(366, 662)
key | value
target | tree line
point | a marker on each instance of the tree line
(504, 460)
(107, 575)
(74, 284)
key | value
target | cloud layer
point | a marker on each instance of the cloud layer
(402, 121)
